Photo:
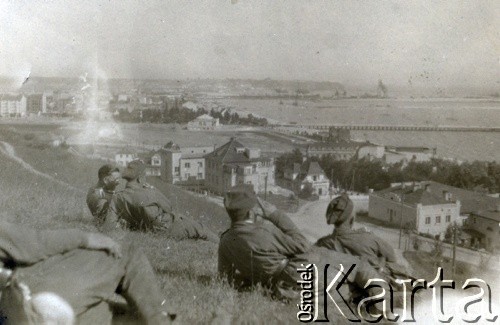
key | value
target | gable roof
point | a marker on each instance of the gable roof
(309, 168)
(231, 152)
(412, 195)
(489, 214)
(469, 201)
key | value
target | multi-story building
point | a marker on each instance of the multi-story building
(234, 164)
(184, 164)
(486, 223)
(12, 105)
(308, 173)
(415, 206)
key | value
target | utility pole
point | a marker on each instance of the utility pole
(453, 259)
(265, 188)
(401, 221)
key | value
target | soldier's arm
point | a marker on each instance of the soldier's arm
(110, 219)
(98, 205)
(286, 225)
(25, 246)
(386, 251)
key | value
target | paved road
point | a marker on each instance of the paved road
(311, 220)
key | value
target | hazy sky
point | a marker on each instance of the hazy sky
(434, 43)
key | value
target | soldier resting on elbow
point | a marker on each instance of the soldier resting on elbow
(143, 207)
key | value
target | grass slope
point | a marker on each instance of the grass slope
(187, 270)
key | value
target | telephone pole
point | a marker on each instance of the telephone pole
(265, 188)
(401, 221)
(453, 259)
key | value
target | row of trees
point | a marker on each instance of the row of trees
(361, 175)
(177, 113)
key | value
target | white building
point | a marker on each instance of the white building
(12, 105)
(203, 122)
(415, 207)
(184, 164)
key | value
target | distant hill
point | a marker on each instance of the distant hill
(232, 86)
(241, 87)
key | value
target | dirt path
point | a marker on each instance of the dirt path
(8, 150)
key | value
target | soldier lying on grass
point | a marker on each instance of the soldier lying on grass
(143, 207)
(74, 275)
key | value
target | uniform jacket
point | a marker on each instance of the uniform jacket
(359, 242)
(98, 201)
(257, 252)
(143, 207)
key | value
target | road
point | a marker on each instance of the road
(311, 220)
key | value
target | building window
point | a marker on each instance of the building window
(176, 169)
(187, 165)
(200, 164)
(448, 218)
(315, 178)
(200, 175)
(427, 220)
(438, 219)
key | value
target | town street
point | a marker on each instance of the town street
(311, 220)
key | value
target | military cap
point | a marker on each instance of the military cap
(107, 169)
(134, 169)
(339, 210)
(238, 201)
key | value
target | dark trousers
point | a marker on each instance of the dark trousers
(89, 281)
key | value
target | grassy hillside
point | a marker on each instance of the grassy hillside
(186, 270)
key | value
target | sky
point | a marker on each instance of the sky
(432, 43)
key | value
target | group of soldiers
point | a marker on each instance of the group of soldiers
(68, 276)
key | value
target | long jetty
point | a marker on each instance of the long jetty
(388, 128)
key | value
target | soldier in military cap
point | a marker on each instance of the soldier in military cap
(359, 242)
(143, 207)
(263, 246)
(99, 196)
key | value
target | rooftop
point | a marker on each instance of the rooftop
(470, 201)
(233, 152)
